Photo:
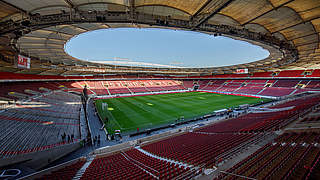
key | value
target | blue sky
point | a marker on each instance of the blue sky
(162, 46)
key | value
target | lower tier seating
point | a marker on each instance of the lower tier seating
(276, 88)
(115, 166)
(265, 121)
(276, 92)
(133, 164)
(67, 172)
(290, 156)
(196, 148)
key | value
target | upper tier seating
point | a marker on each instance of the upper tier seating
(315, 73)
(230, 75)
(262, 74)
(291, 73)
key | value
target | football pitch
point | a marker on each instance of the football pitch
(129, 113)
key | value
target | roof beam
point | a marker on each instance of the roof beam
(53, 31)
(304, 50)
(41, 48)
(42, 44)
(270, 3)
(69, 3)
(201, 8)
(275, 8)
(80, 27)
(305, 44)
(309, 20)
(45, 38)
(303, 36)
(212, 14)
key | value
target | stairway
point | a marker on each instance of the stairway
(83, 169)
(161, 158)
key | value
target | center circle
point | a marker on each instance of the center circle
(153, 47)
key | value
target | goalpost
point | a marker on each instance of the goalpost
(104, 106)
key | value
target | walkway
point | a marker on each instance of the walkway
(96, 125)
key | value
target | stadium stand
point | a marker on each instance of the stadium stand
(188, 84)
(264, 121)
(39, 124)
(310, 120)
(116, 166)
(160, 168)
(292, 155)
(314, 84)
(16, 91)
(249, 90)
(45, 93)
(291, 73)
(315, 73)
(262, 74)
(97, 87)
(67, 172)
(213, 85)
(57, 112)
(286, 83)
(276, 92)
(196, 148)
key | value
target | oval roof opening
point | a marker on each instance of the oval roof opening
(153, 47)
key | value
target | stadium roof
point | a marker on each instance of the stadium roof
(294, 21)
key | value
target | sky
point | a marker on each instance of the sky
(174, 48)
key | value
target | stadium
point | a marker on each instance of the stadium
(63, 117)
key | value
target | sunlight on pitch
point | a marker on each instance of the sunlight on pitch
(149, 104)
(110, 109)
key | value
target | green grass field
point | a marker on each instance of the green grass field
(130, 113)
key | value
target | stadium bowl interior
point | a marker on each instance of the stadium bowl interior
(67, 118)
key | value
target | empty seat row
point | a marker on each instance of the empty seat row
(290, 156)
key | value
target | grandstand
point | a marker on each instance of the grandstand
(52, 126)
